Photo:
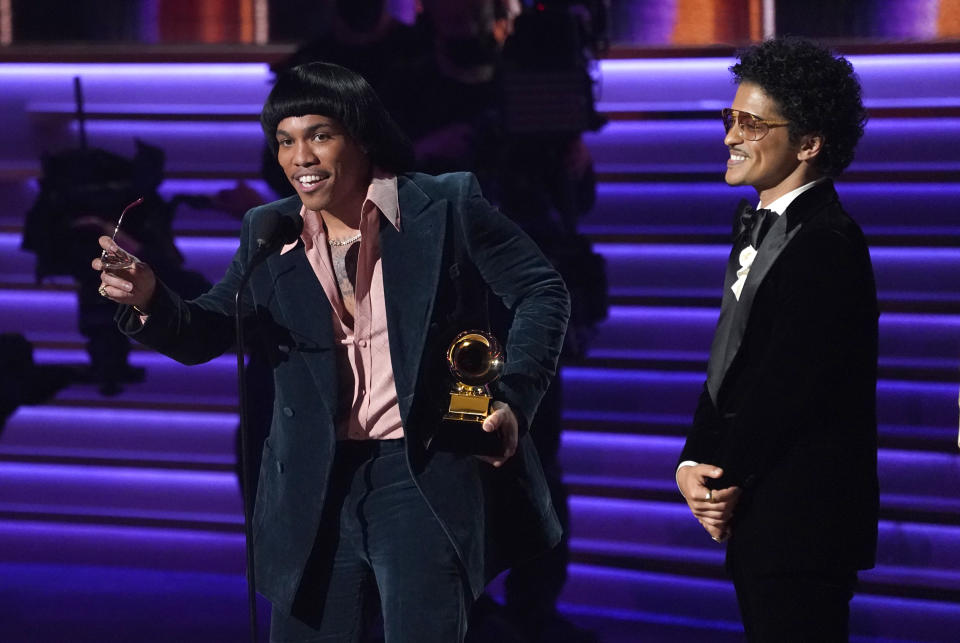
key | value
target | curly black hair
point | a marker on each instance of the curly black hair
(815, 90)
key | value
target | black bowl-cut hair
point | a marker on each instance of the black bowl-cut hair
(336, 92)
(817, 92)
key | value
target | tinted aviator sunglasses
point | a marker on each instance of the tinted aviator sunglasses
(752, 127)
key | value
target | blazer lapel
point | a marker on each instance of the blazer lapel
(307, 314)
(411, 260)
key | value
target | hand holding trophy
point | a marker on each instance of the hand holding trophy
(475, 360)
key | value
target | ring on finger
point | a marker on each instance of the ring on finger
(102, 290)
(709, 492)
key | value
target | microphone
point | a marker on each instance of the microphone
(272, 231)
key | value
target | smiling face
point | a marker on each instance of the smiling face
(773, 165)
(328, 169)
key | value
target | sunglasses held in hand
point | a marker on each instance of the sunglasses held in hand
(120, 259)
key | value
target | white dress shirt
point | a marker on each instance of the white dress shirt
(748, 254)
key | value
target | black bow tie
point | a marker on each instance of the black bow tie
(753, 223)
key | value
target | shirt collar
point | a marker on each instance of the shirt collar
(382, 194)
(780, 205)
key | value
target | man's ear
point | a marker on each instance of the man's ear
(810, 146)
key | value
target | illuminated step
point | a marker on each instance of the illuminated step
(178, 438)
(121, 495)
(686, 270)
(168, 384)
(623, 393)
(684, 334)
(627, 208)
(65, 602)
(162, 548)
(888, 80)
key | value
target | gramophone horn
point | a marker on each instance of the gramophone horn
(475, 358)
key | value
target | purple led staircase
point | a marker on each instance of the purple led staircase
(120, 517)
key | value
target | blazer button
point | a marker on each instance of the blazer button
(279, 467)
(288, 411)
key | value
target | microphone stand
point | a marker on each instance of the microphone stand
(244, 456)
(274, 230)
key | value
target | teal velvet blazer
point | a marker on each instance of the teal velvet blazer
(452, 249)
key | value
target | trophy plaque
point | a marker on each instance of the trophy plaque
(475, 360)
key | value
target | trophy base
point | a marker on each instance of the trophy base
(465, 417)
(466, 437)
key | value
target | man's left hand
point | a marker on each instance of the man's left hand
(503, 421)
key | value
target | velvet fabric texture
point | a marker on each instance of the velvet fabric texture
(378, 539)
(793, 417)
(452, 249)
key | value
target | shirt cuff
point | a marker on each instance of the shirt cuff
(685, 463)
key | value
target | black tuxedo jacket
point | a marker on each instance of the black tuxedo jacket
(789, 409)
(452, 247)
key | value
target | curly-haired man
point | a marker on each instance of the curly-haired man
(781, 459)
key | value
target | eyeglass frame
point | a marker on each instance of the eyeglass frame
(735, 116)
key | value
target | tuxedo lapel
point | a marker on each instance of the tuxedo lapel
(773, 244)
(783, 230)
(735, 314)
(716, 366)
(411, 260)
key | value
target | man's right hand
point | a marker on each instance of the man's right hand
(713, 508)
(133, 286)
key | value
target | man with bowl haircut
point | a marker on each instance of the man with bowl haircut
(362, 490)
(781, 460)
